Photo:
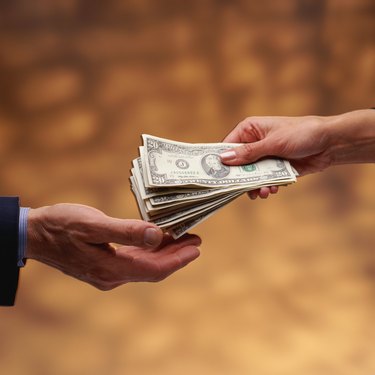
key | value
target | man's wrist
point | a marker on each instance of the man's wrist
(36, 233)
(31, 236)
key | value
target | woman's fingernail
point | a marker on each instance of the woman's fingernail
(152, 237)
(273, 189)
(253, 196)
(228, 155)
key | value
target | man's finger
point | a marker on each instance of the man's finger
(170, 263)
(173, 246)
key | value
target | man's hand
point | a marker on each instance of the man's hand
(78, 240)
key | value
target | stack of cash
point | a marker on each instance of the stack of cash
(178, 185)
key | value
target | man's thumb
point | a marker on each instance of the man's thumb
(130, 232)
(245, 154)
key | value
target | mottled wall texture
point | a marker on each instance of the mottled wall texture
(284, 286)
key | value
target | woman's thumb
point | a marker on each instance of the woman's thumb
(245, 154)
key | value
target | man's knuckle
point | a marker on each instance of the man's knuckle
(108, 285)
(159, 274)
(105, 281)
(158, 278)
(102, 286)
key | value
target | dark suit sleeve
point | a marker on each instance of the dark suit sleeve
(9, 271)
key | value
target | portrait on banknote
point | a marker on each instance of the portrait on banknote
(213, 167)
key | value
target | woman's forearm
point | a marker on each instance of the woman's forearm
(352, 137)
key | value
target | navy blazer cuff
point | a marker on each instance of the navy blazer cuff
(9, 270)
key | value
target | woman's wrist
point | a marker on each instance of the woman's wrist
(351, 137)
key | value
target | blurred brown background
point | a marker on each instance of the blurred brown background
(284, 286)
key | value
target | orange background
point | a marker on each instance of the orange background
(284, 286)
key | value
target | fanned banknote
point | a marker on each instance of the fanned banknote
(178, 185)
